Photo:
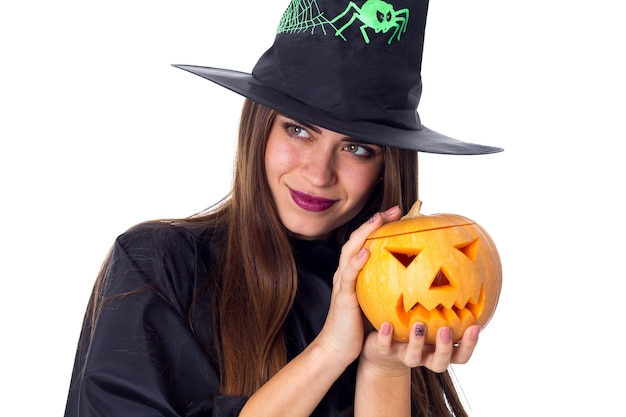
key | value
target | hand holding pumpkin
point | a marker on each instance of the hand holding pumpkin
(395, 358)
(442, 270)
(343, 331)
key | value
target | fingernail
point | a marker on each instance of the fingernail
(392, 210)
(361, 253)
(385, 329)
(445, 334)
(419, 329)
(373, 218)
(474, 333)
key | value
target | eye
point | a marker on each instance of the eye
(296, 131)
(358, 150)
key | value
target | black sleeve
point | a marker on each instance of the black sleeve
(140, 357)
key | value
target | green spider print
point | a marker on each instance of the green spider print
(375, 14)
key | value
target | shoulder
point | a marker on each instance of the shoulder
(163, 239)
(170, 258)
(158, 233)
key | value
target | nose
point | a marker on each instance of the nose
(320, 168)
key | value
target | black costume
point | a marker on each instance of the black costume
(141, 357)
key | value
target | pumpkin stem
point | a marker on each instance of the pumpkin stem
(414, 212)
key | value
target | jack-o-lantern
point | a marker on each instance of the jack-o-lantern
(441, 269)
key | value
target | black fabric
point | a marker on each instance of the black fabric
(360, 74)
(141, 357)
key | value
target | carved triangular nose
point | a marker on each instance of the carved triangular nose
(440, 280)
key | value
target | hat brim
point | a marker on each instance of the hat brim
(424, 140)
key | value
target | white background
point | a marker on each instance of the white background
(99, 132)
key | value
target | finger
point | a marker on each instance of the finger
(384, 339)
(415, 349)
(354, 265)
(466, 346)
(391, 214)
(358, 236)
(442, 355)
(344, 286)
(353, 255)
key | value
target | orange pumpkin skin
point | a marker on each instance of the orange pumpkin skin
(441, 269)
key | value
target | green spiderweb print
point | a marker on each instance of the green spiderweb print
(302, 15)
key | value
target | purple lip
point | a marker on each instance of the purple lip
(310, 203)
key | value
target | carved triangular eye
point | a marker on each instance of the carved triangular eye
(404, 258)
(469, 249)
(440, 280)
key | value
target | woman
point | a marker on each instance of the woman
(250, 308)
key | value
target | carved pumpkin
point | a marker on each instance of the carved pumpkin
(441, 269)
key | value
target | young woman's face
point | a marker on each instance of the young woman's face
(319, 179)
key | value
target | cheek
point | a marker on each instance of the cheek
(278, 159)
(362, 181)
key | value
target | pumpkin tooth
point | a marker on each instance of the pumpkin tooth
(477, 307)
(403, 315)
(476, 295)
(472, 301)
(440, 311)
(452, 314)
(478, 298)
(463, 313)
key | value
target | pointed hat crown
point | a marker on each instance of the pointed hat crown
(353, 67)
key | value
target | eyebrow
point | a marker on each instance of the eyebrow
(305, 124)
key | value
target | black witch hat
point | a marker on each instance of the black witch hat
(353, 67)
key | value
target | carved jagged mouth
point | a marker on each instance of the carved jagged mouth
(469, 311)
